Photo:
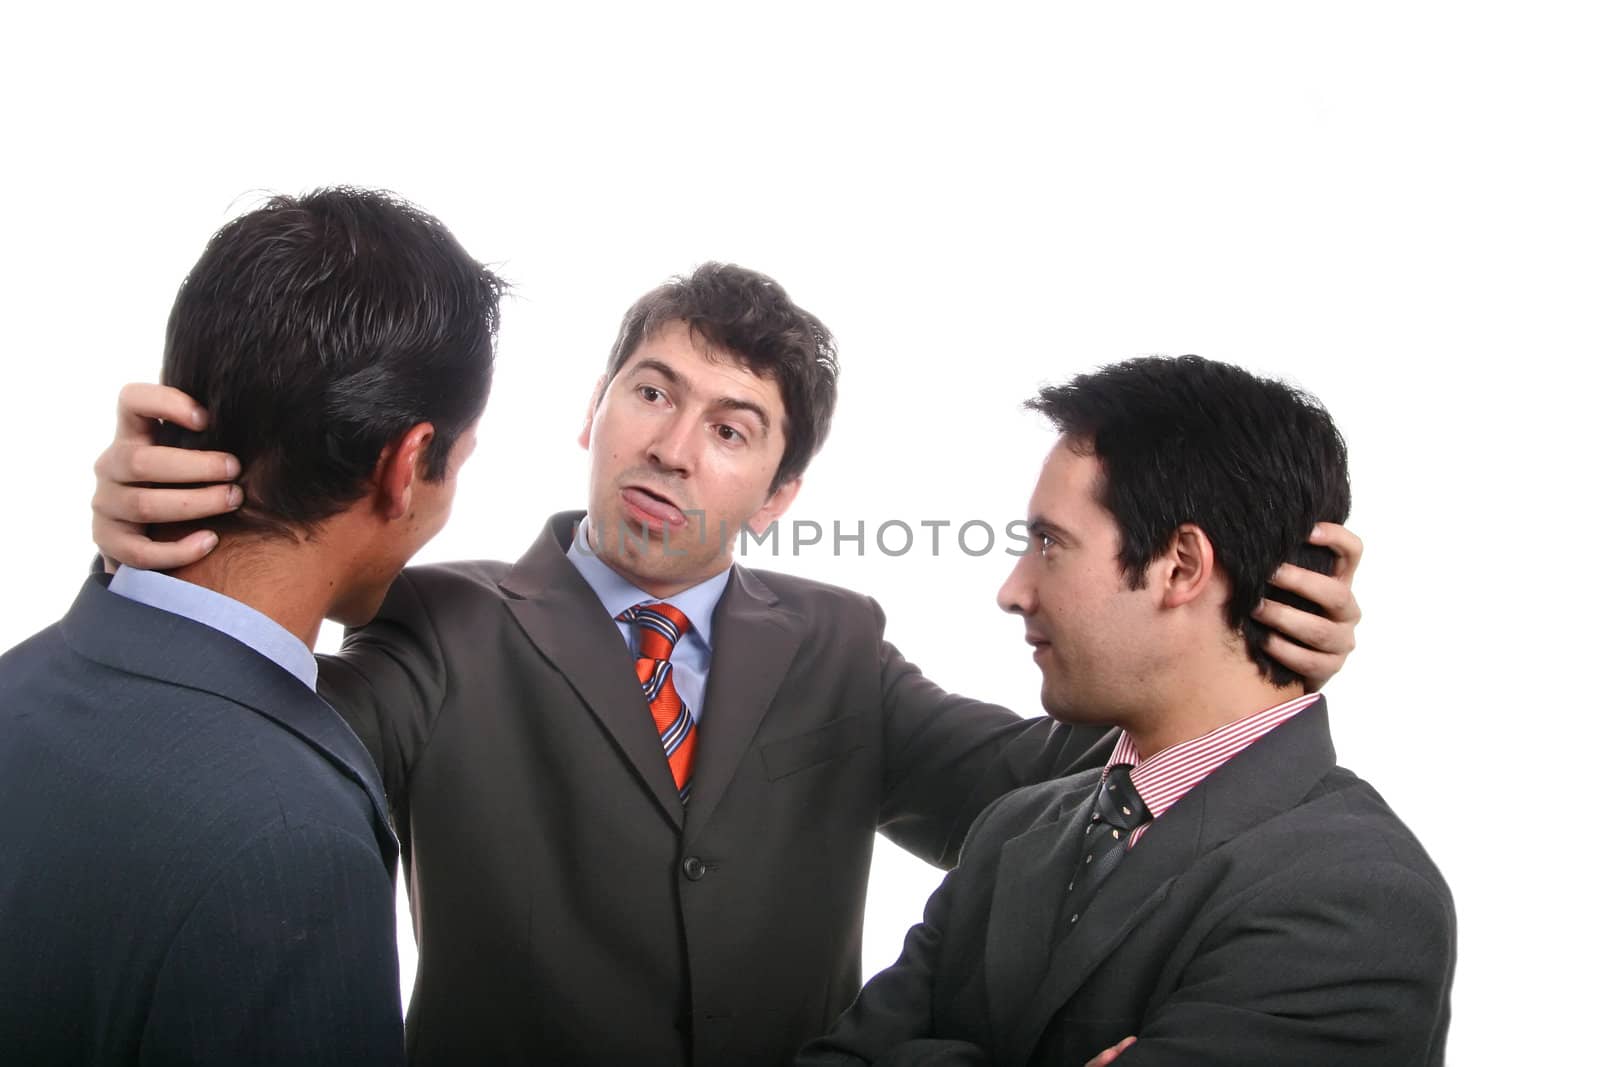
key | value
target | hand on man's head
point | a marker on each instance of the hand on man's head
(130, 474)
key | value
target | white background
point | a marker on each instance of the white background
(1391, 204)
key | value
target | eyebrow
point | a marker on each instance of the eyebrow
(1041, 525)
(724, 403)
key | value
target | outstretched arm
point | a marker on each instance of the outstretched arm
(140, 483)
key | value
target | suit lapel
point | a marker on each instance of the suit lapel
(131, 637)
(756, 641)
(1270, 777)
(1075, 950)
(564, 619)
(1028, 880)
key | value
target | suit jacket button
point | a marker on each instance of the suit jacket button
(693, 869)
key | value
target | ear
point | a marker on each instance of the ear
(776, 505)
(588, 420)
(1187, 568)
(400, 467)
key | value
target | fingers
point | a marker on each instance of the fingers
(1315, 667)
(1347, 548)
(127, 462)
(126, 543)
(1111, 1053)
(1320, 645)
(1321, 635)
(1332, 594)
(1328, 641)
(123, 507)
(140, 402)
(138, 506)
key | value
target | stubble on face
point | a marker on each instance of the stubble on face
(684, 443)
(1082, 619)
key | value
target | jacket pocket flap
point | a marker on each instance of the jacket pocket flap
(828, 741)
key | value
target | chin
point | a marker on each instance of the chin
(1054, 706)
(346, 617)
(655, 565)
(1063, 708)
(1059, 712)
(359, 609)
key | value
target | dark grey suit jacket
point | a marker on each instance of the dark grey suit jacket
(568, 908)
(1279, 913)
(194, 862)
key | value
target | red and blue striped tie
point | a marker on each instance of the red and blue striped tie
(660, 626)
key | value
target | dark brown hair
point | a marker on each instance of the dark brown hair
(748, 315)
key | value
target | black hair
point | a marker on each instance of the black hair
(317, 329)
(1252, 462)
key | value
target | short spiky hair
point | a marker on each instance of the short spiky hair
(318, 328)
(749, 316)
(1252, 462)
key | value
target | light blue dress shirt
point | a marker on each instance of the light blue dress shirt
(207, 607)
(691, 656)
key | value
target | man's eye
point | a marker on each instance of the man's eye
(729, 434)
(1046, 543)
(650, 393)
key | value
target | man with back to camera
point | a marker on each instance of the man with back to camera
(1219, 892)
(199, 865)
(608, 870)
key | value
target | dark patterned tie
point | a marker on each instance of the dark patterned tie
(660, 626)
(1117, 812)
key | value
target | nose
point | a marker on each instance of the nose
(672, 448)
(1016, 594)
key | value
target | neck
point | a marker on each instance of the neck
(1200, 700)
(659, 588)
(289, 582)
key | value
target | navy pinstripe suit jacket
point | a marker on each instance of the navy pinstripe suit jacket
(195, 864)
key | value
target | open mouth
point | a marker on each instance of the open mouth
(651, 508)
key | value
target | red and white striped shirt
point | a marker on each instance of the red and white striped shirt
(1164, 778)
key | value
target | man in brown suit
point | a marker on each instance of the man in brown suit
(574, 901)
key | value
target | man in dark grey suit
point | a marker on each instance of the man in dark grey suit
(606, 869)
(1219, 892)
(199, 867)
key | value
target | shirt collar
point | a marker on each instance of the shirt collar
(617, 594)
(221, 613)
(1163, 779)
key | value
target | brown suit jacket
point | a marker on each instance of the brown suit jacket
(568, 909)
